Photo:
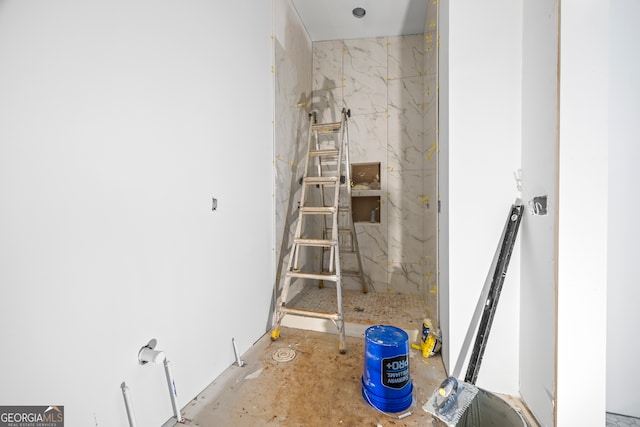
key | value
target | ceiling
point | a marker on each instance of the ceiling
(333, 19)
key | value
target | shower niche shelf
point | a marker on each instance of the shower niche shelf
(365, 192)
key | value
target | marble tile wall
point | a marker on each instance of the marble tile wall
(293, 83)
(389, 84)
(430, 156)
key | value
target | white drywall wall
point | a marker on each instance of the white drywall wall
(119, 121)
(538, 232)
(623, 269)
(481, 89)
(582, 224)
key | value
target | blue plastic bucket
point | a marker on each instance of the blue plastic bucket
(386, 381)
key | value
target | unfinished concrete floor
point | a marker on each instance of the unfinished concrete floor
(318, 387)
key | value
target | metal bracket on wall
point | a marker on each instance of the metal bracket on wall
(538, 205)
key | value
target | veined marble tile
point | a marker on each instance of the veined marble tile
(432, 13)
(405, 216)
(431, 18)
(405, 240)
(285, 168)
(327, 64)
(292, 84)
(429, 198)
(406, 94)
(368, 138)
(281, 198)
(431, 268)
(430, 123)
(430, 237)
(365, 75)
(328, 104)
(390, 124)
(429, 252)
(405, 278)
(405, 124)
(430, 155)
(406, 56)
(430, 52)
(290, 165)
(430, 96)
(430, 284)
(349, 262)
(352, 283)
(372, 241)
(291, 127)
(286, 215)
(404, 194)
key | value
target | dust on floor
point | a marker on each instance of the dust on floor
(319, 387)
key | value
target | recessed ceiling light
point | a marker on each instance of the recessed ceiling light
(359, 12)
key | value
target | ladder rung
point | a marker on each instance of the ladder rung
(328, 144)
(314, 276)
(326, 127)
(321, 180)
(320, 210)
(324, 153)
(315, 242)
(309, 313)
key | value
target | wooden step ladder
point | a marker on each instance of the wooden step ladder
(325, 198)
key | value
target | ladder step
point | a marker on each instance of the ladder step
(330, 152)
(327, 154)
(320, 210)
(331, 277)
(315, 242)
(309, 313)
(326, 127)
(331, 180)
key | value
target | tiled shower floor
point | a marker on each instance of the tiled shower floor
(404, 311)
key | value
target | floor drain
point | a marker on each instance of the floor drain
(284, 354)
